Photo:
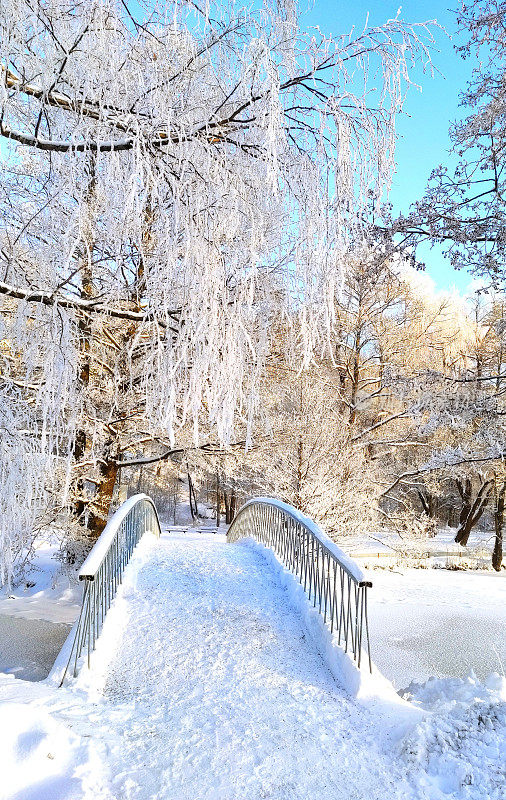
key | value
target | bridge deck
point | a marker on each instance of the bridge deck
(210, 688)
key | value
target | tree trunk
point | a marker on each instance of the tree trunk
(229, 500)
(465, 492)
(86, 292)
(193, 500)
(498, 525)
(139, 480)
(428, 502)
(474, 514)
(218, 500)
(233, 504)
(226, 500)
(355, 380)
(98, 509)
(300, 450)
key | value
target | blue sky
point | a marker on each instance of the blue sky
(424, 141)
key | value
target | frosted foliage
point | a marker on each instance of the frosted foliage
(198, 169)
(35, 437)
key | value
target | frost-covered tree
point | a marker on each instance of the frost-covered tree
(159, 160)
(459, 431)
(464, 206)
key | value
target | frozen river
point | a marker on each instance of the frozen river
(434, 622)
(28, 647)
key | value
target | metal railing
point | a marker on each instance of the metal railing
(103, 569)
(329, 577)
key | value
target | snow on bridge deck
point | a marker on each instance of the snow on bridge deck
(209, 687)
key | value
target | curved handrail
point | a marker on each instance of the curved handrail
(103, 568)
(328, 575)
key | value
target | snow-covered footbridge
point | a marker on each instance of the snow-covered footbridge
(209, 670)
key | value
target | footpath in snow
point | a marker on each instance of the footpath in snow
(205, 684)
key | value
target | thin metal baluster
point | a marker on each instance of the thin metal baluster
(325, 593)
(310, 557)
(355, 641)
(296, 544)
(296, 562)
(122, 540)
(83, 624)
(104, 596)
(109, 579)
(95, 630)
(348, 615)
(306, 556)
(294, 547)
(89, 630)
(303, 564)
(308, 552)
(123, 561)
(123, 547)
(314, 566)
(111, 572)
(320, 574)
(99, 598)
(317, 572)
(367, 629)
(115, 551)
(333, 604)
(319, 554)
(341, 612)
(362, 588)
(322, 580)
(92, 616)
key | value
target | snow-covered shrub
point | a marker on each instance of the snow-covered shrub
(461, 744)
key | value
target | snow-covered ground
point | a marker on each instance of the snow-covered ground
(388, 547)
(206, 684)
(47, 591)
